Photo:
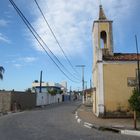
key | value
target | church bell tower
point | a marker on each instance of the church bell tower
(102, 33)
(103, 46)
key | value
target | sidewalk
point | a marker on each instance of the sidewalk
(86, 115)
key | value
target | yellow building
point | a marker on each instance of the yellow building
(113, 73)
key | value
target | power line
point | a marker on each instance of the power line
(32, 31)
(55, 36)
(38, 38)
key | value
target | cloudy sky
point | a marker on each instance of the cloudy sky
(71, 21)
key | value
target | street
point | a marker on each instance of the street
(54, 122)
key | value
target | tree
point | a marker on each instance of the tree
(1, 72)
(61, 91)
(134, 102)
(28, 90)
(52, 92)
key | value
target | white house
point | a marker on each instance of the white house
(42, 90)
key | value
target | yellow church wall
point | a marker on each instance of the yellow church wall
(103, 26)
(116, 90)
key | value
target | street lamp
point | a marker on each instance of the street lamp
(82, 66)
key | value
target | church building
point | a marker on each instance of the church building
(114, 74)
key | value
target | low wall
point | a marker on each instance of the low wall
(65, 98)
(22, 100)
(45, 99)
(5, 101)
(16, 100)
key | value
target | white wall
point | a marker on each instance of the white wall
(45, 98)
(41, 99)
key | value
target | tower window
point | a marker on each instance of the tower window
(103, 39)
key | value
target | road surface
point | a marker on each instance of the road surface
(54, 122)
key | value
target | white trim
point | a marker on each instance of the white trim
(98, 75)
(100, 105)
(119, 62)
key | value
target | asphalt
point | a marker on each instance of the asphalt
(125, 126)
(53, 122)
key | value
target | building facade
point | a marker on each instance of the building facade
(112, 72)
(45, 87)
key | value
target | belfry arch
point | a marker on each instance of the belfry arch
(103, 39)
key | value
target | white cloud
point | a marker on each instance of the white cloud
(119, 10)
(4, 38)
(17, 65)
(19, 62)
(3, 22)
(28, 59)
(72, 22)
(69, 22)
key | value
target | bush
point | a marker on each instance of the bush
(52, 92)
(134, 100)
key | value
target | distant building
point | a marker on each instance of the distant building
(49, 92)
(45, 87)
(114, 74)
(36, 87)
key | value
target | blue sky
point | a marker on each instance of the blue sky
(71, 21)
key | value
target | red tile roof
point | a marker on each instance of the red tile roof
(122, 57)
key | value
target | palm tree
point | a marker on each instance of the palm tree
(1, 72)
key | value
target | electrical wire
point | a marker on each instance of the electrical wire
(55, 37)
(38, 38)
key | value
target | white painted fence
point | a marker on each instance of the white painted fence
(45, 99)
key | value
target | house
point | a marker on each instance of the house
(45, 87)
(114, 74)
(50, 92)
(88, 96)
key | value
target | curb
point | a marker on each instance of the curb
(105, 128)
(95, 126)
(130, 132)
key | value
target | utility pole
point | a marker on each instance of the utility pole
(70, 93)
(90, 84)
(138, 76)
(85, 84)
(40, 88)
(82, 66)
(138, 79)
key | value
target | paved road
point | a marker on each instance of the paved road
(55, 122)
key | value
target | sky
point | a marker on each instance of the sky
(71, 21)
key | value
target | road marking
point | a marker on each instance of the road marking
(87, 126)
(78, 120)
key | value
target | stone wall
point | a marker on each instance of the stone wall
(22, 100)
(5, 101)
